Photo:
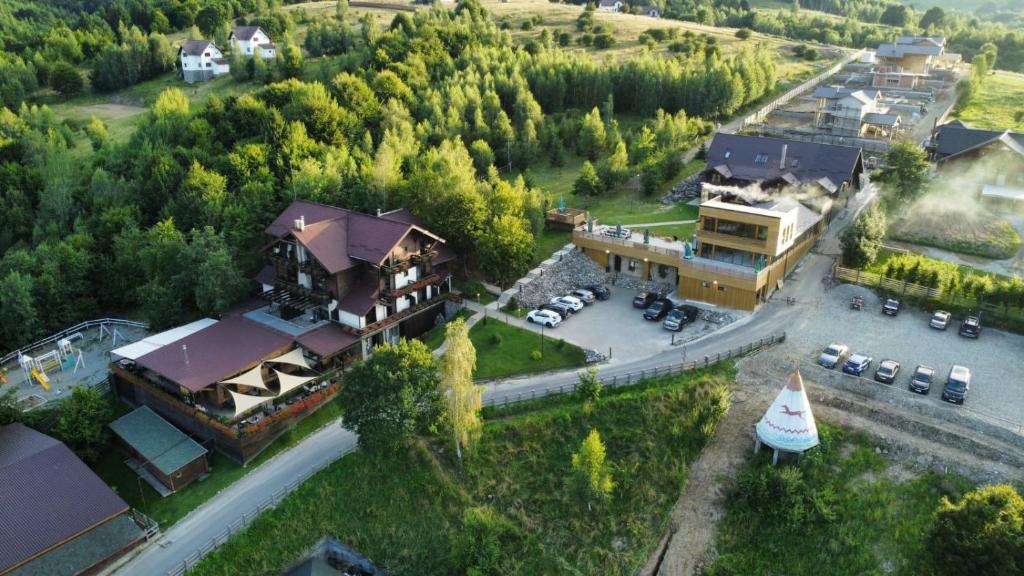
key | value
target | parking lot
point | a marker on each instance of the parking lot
(997, 387)
(616, 324)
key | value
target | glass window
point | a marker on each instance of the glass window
(709, 224)
(761, 159)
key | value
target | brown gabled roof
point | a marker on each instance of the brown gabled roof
(195, 47)
(48, 495)
(219, 351)
(340, 238)
(360, 299)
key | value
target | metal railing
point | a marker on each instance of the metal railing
(69, 331)
(637, 376)
(247, 517)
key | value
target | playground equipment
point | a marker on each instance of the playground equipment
(64, 357)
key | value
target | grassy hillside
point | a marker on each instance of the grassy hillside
(996, 103)
(405, 511)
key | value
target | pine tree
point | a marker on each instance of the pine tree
(462, 396)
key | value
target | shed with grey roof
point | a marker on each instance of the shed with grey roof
(156, 447)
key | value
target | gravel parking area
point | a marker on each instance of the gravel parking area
(997, 388)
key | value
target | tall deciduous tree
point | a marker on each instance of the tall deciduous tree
(506, 248)
(592, 135)
(593, 475)
(861, 241)
(19, 321)
(393, 396)
(83, 422)
(906, 168)
(463, 397)
(983, 533)
(587, 183)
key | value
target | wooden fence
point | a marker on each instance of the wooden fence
(891, 285)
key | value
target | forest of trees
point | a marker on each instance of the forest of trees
(431, 113)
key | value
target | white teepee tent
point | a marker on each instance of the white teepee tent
(788, 425)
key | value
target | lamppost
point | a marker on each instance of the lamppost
(542, 340)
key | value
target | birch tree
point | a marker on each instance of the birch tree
(462, 395)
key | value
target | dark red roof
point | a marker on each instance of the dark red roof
(245, 33)
(360, 299)
(339, 239)
(327, 341)
(267, 275)
(216, 352)
(47, 495)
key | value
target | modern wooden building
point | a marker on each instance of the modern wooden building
(744, 247)
(989, 163)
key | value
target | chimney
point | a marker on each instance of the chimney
(184, 352)
(300, 223)
(782, 161)
(378, 212)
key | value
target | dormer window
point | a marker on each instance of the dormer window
(795, 163)
(761, 159)
(727, 154)
(206, 54)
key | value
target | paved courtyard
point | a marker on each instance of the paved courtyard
(614, 326)
(994, 359)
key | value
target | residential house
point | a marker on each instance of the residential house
(58, 517)
(336, 283)
(201, 60)
(746, 242)
(854, 112)
(650, 10)
(775, 163)
(989, 162)
(610, 5)
(916, 54)
(895, 78)
(252, 41)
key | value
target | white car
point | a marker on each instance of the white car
(571, 301)
(545, 317)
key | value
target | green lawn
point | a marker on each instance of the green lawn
(860, 519)
(681, 231)
(511, 356)
(474, 290)
(404, 511)
(549, 242)
(996, 103)
(223, 472)
(435, 337)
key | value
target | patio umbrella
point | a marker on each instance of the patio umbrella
(618, 230)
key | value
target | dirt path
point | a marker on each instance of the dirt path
(914, 444)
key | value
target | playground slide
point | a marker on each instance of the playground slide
(42, 378)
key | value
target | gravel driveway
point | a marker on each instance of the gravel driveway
(994, 359)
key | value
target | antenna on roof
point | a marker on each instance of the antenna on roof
(300, 223)
(782, 161)
(184, 352)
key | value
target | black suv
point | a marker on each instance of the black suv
(921, 381)
(658, 309)
(970, 327)
(681, 316)
(600, 292)
(644, 299)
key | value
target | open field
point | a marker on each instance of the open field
(223, 472)
(627, 28)
(973, 232)
(844, 510)
(996, 103)
(510, 356)
(405, 512)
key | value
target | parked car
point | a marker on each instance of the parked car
(561, 309)
(658, 309)
(571, 301)
(940, 320)
(680, 316)
(970, 327)
(921, 380)
(833, 355)
(887, 371)
(601, 292)
(583, 295)
(891, 306)
(858, 364)
(644, 299)
(546, 317)
(957, 384)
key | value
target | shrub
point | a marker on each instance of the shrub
(589, 387)
(585, 39)
(536, 355)
(604, 40)
(496, 339)
(981, 534)
(478, 546)
(512, 303)
(560, 344)
(526, 25)
(564, 38)
(743, 33)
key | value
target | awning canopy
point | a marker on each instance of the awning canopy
(253, 378)
(148, 344)
(290, 382)
(293, 358)
(245, 402)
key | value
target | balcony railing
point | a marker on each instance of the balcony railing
(410, 288)
(399, 316)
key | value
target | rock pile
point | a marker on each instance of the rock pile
(685, 190)
(627, 282)
(593, 356)
(575, 269)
